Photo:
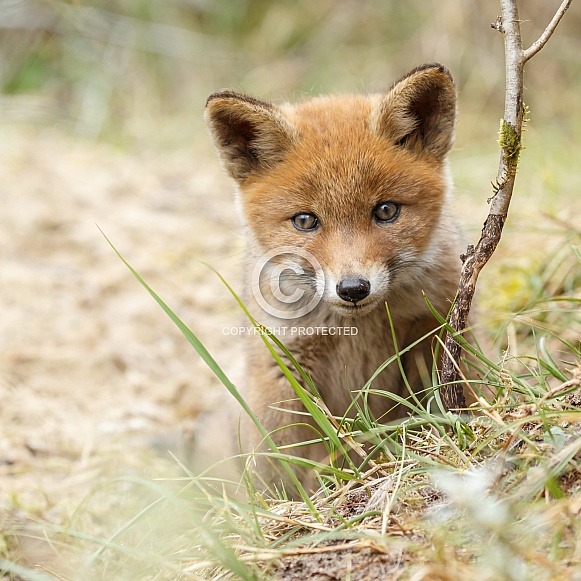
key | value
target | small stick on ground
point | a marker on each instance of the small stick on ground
(510, 143)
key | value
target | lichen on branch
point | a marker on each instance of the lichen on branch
(510, 142)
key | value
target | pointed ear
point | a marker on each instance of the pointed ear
(250, 135)
(419, 112)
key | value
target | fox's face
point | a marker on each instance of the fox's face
(356, 182)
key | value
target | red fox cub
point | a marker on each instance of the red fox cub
(346, 205)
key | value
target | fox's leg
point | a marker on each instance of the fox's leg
(276, 405)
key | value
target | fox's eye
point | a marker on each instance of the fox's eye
(305, 222)
(386, 211)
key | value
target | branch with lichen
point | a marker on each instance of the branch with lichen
(510, 141)
(511, 145)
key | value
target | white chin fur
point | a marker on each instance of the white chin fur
(353, 311)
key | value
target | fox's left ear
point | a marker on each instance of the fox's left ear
(419, 112)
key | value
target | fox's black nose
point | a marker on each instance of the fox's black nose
(353, 289)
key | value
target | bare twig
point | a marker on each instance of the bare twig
(538, 45)
(510, 143)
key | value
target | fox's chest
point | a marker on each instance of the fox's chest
(347, 363)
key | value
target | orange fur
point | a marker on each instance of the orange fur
(338, 158)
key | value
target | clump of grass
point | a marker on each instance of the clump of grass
(493, 493)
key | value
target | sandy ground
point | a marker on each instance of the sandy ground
(91, 370)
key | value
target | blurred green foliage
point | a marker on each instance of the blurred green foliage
(130, 70)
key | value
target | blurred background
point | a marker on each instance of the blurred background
(101, 108)
(137, 72)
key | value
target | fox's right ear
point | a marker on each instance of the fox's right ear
(250, 135)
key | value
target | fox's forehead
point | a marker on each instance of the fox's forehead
(332, 115)
(338, 154)
(336, 137)
(342, 182)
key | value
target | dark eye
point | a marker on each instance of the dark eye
(386, 211)
(305, 222)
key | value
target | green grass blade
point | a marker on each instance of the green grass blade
(214, 367)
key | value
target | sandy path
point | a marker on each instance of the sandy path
(87, 359)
